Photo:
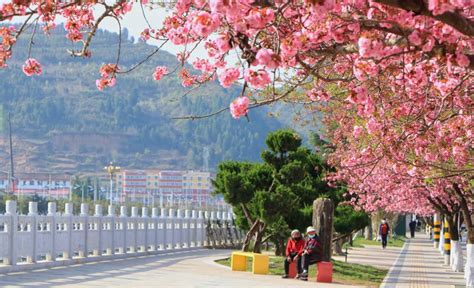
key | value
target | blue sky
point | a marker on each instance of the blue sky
(135, 23)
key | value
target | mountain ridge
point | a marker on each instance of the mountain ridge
(61, 115)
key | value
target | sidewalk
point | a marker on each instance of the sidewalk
(421, 265)
(371, 255)
(176, 269)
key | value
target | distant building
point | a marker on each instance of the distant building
(170, 186)
(3, 181)
(197, 187)
(165, 187)
(50, 185)
(131, 185)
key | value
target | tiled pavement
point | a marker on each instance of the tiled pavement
(372, 255)
(419, 265)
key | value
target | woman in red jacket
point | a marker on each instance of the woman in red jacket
(294, 249)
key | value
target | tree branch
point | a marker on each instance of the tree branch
(420, 7)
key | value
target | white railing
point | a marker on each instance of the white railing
(53, 239)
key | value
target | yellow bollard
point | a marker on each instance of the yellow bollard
(436, 230)
(447, 243)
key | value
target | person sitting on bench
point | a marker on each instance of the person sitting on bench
(312, 252)
(294, 249)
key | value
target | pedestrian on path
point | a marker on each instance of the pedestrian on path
(312, 252)
(294, 249)
(384, 229)
(412, 228)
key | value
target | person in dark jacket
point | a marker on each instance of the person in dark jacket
(312, 252)
(384, 229)
(412, 228)
(294, 249)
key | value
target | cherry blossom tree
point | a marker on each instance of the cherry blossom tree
(394, 79)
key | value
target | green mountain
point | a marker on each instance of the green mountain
(61, 121)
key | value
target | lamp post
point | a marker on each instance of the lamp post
(111, 169)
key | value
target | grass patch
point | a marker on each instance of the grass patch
(344, 273)
(396, 241)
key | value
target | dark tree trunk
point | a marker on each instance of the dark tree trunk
(453, 227)
(368, 230)
(338, 246)
(279, 248)
(249, 236)
(323, 214)
(468, 218)
(257, 248)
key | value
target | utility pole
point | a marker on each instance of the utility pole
(111, 170)
(11, 180)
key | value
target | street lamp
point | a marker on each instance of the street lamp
(111, 169)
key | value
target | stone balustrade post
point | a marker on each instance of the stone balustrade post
(84, 226)
(123, 225)
(200, 229)
(144, 229)
(134, 216)
(171, 228)
(12, 230)
(207, 225)
(186, 231)
(68, 212)
(154, 220)
(164, 231)
(178, 228)
(111, 229)
(193, 224)
(33, 213)
(98, 225)
(51, 255)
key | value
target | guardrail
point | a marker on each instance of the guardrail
(32, 241)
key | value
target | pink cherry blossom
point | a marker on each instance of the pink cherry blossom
(357, 131)
(205, 23)
(239, 107)
(257, 79)
(105, 82)
(415, 38)
(228, 76)
(159, 72)
(372, 126)
(267, 58)
(222, 43)
(31, 67)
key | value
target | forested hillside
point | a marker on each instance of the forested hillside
(61, 120)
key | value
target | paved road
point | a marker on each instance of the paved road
(186, 269)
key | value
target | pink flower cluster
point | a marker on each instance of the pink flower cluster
(159, 72)
(77, 19)
(107, 74)
(31, 67)
(317, 94)
(239, 107)
(8, 40)
(204, 23)
(258, 79)
(267, 58)
(228, 76)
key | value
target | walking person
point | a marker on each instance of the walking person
(294, 249)
(312, 252)
(412, 228)
(384, 229)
